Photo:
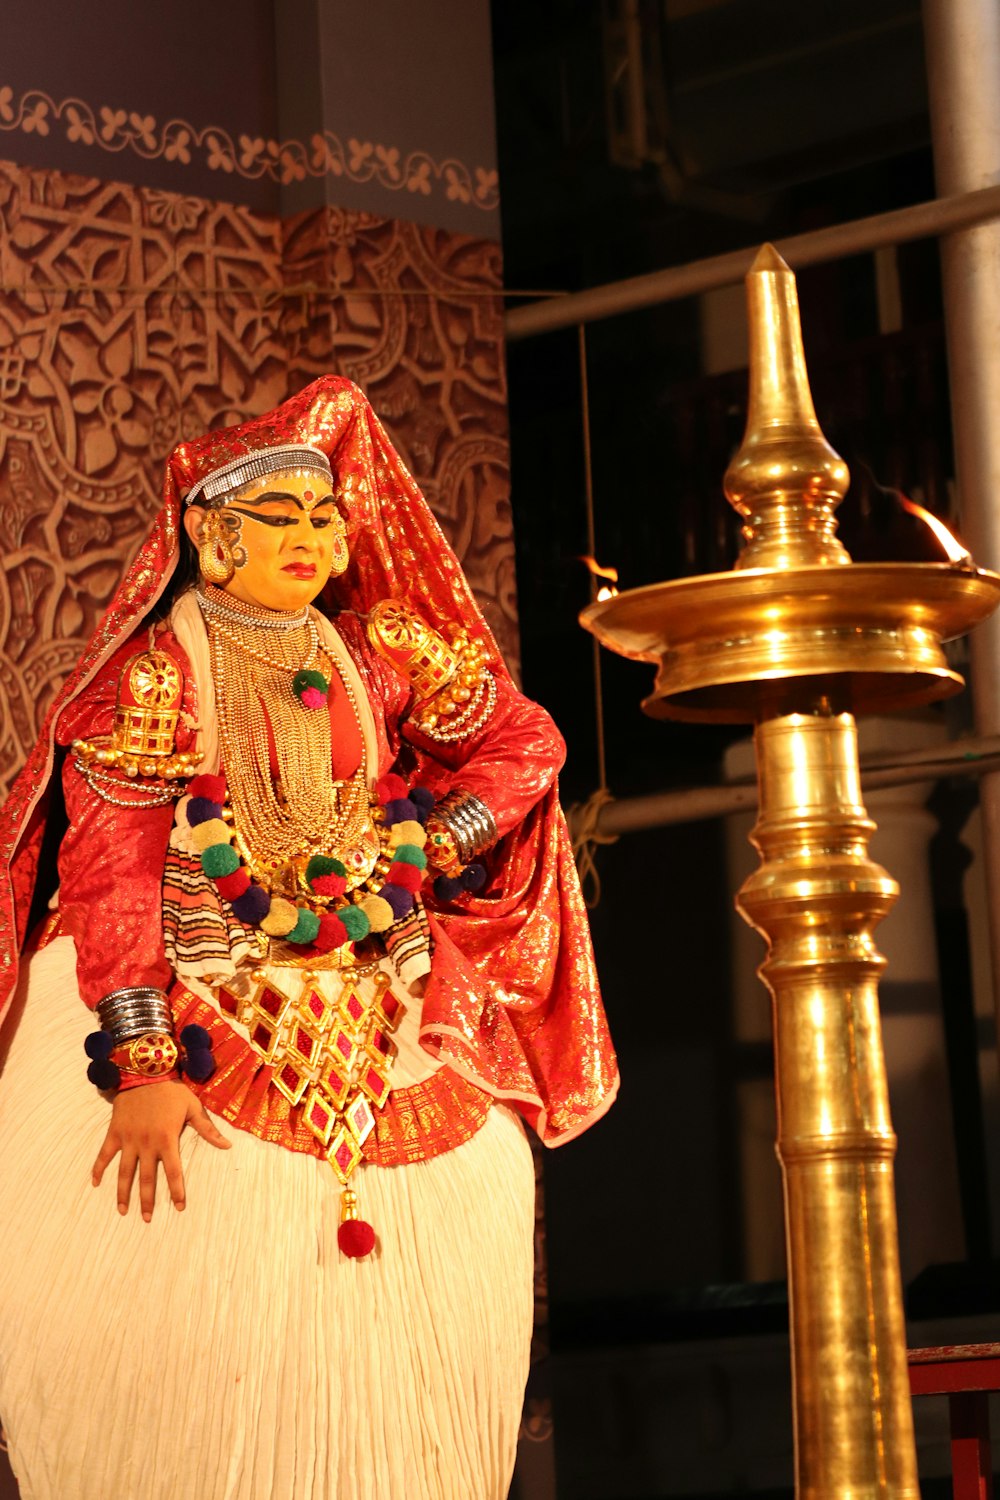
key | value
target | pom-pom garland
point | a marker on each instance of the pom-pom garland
(450, 887)
(311, 688)
(403, 812)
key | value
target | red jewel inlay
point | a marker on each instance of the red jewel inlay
(319, 1116)
(344, 1044)
(390, 1005)
(344, 1157)
(261, 1036)
(355, 1009)
(289, 1076)
(317, 1005)
(270, 1001)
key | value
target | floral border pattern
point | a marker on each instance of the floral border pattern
(325, 154)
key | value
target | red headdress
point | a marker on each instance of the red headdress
(517, 1008)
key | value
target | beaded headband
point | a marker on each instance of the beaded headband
(243, 471)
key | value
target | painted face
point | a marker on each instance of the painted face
(287, 537)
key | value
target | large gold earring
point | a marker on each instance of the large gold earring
(215, 554)
(341, 551)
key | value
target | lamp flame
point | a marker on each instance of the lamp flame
(954, 549)
(607, 590)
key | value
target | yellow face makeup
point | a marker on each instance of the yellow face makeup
(287, 538)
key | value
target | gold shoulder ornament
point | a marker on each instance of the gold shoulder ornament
(139, 755)
(453, 687)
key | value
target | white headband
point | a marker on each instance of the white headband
(243, 471)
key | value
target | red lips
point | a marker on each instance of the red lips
(300, 570)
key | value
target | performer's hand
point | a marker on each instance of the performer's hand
(146, 1123)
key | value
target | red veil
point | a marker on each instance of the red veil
(512, 1002)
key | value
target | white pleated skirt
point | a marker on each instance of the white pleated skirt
(230, 1352)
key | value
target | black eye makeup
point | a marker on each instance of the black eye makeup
(252, 513)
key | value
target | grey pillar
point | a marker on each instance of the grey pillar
(963, 65)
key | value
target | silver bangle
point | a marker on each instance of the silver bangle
(470, 823)
(134, 1010)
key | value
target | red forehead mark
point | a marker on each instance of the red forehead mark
(308, 495)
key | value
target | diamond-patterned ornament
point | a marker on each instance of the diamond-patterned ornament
(315, 1009)
(320, 1115)
(351, 1007)
(359, 1117)
(291, 1079)
(381, 1045)
(343, 1153)
(375, 1085)
(264, 1037)
(390, 1010)
(229, 1004)
(303, 1043)
(272, 1003)
(336, 1081)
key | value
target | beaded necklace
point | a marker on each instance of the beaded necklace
(279, 827)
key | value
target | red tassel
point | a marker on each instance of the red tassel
(356, 1238)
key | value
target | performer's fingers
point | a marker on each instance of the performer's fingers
(203, 1124)
(148, 1163)
(174, 1175)
(108, 1151)
(126, 1174)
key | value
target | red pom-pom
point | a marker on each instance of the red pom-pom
(356, 1238)
(332, 933)
(389, 787)
(235, 884)
(408, 876)
(329, 885)
(211, 787)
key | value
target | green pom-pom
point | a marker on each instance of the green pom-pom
(357, 924)
(323, 864)
(308, 677)
(411, 854)
(305, 928)
(219, 859)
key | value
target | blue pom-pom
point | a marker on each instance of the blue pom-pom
(473, 877)
(199, 1064)
(196, 1036)
(448, 889)
(99, 1045)
(104, 1074)
(201, 810)
(253, 906)
(399, 899)
(401, 810)
(423, 800)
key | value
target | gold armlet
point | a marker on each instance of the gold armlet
(141, 743)
(453, 686)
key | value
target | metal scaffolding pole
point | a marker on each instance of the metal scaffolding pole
(899, 225)
(963, 64)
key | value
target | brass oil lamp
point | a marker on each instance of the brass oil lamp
(797, 639)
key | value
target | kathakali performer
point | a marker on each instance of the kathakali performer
(314, 883)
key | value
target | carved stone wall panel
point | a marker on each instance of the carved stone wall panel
(132, 317)
(412, 314)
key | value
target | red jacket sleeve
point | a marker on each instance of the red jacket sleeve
(510, 764)
(111, 858)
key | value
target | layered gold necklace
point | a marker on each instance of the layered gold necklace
(281, 821)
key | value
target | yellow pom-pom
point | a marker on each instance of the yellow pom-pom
(410, 832)
(281, 918)
(378, 912)
(204, 835)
